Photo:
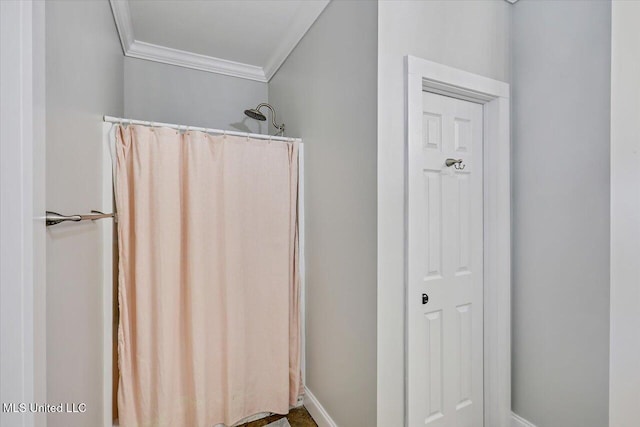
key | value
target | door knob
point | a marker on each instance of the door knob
(455, 163)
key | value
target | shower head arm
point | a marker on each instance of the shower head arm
(273, 116)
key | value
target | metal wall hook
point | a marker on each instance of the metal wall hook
(455, 163)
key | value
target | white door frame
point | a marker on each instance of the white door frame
(22, 197)
(624, 369)
(423, 75)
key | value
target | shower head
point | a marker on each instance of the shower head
(255, 114)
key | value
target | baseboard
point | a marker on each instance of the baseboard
(317, 411)
(518, 421)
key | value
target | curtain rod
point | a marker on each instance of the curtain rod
(110, 119)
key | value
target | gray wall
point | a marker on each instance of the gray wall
(166, 93)
(561, 88)
(84, 80)
(471, 35)
(325, 92)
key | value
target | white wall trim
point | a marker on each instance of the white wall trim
(518, 421)
(22, 263)
(494, 95)
(152, 52)
(624, 354)
(181, 58)
(298, 28)
(124, 25)
(316, 410)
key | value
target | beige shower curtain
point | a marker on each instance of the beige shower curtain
(208, 277)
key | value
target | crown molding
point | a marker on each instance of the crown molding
(152, 52)
(298, 28)
(124, 25)
(181, 58)
(137, 49)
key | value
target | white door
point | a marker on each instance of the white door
(445, 278)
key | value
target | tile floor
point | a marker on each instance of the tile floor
(297, 417)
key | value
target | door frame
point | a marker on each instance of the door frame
(423, 75)
(22, 197)
(624, 347)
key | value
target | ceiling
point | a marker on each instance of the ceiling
(242, 38)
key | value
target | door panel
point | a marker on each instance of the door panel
(444, 242)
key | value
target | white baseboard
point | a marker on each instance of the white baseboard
(518, 421)
(317, 411)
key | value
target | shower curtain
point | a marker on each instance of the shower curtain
(208, 277)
